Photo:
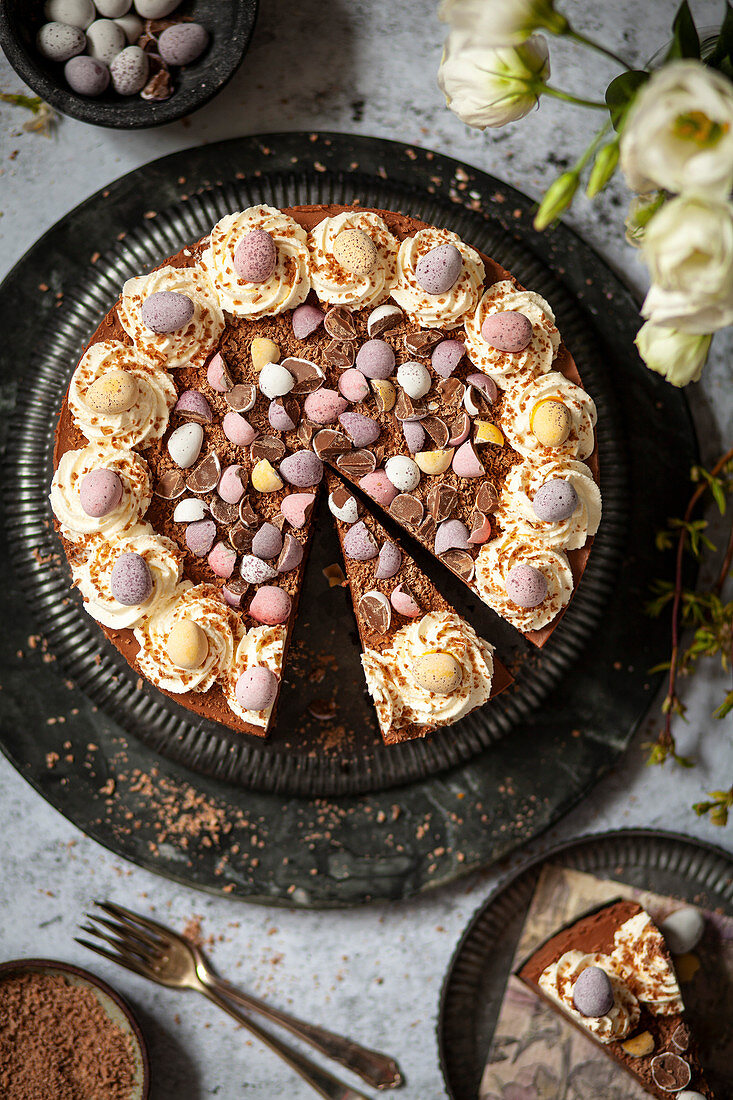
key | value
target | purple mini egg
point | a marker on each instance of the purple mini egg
(100, 491)
(375, 359)
(131, 582)
(256, 689)
(359, 544)
(279, 418)
(323, 406)
(414, 434)
(237, 429)
(86, 76)
(361, 430)
(182, 43)
(446, 357)
(555, 501)
(167, 311)
(270, 605)
(486, 384)
(305, 320)
(193, 403)
(255, 257)
(439, 269)
(302, 469)
(200, 537)
(526, 586)
(390, 561)
(593, 992)
(291, 555)
(507, 331)
(452, 534)
(267, 542)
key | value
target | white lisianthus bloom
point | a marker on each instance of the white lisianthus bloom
(503, 22)
(688, 247)
(678, 356)
(679, 132)
(485, 86)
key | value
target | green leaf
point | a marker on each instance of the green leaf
(685, 39)
(725, 707)
(620, 94)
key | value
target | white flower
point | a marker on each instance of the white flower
(688, 246)
(485, 86)
(679, 132)
(678, 356)
(502, 22)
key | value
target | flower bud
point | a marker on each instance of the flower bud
(603, 168)
(558, 197)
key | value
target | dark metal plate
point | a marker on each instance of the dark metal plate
(576, 732)
(664, 863)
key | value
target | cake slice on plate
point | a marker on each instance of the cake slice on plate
(612, 975)
(425, 666)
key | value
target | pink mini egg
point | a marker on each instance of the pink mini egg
(270, 605)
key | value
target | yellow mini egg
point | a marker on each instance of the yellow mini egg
(355, 251)
(638, 1046)
(264, 351)
(113, 392)
(486, 432)
(434, 462)
(438, 672)
(265, 478)
(550, 422)
(385, 393)
(187, 646)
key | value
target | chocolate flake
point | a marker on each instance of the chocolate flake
(171, 485)
(423, 341)
(339, 323)
(407, 509)
(268, 447)
(357, 464)
(308, 377)
(205, 476)
(242, 397)
(437, 429)
(487, 498)
(375, 610)
(459, 562)
(340, 354)
(329, 443)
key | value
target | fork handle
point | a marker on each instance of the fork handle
(324, 1083)
(377, 1069)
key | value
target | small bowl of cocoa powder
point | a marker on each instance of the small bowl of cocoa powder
(66, 1035)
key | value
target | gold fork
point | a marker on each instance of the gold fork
(155, 952)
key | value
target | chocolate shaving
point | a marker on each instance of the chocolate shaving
(422, 342)
(268, 447)
(329, 443)
(171, 485)
(339, 324)
(340, 354)
(437, 429)
(357, 464)
(459, 562)
(242, 397)
(487, 498)
(375, 610)
(407, 509)
(205, 476)
(222, 511)
(442, 500)
(241, 538)
(308, 377)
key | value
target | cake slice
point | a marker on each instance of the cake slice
(611, 974)
(425, 666)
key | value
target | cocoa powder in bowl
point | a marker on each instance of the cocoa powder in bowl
(57, 1041)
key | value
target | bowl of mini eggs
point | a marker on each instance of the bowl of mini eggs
(126, 64)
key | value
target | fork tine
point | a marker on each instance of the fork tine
(126, 930)
(124, 944)
(126, 916)
(115, 958)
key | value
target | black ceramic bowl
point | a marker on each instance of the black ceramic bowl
(230, 24)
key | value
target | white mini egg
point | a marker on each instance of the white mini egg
(275, 380)
(184, 444)
(113, 9)
(155, 9)
(190, 510)
(132, 27)
(129, 71)
(105, 39)
(348, 512)
(683, 930)
(59, 42)
(403, 473)
(74, 13)
(414, 378)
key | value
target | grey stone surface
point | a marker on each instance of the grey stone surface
(366, 66)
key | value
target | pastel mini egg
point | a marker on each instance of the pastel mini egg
(222, 559)
(113, 393)
(237, 429)
(385, 394)
(683, 930)
(507, 331)
(267, 542)
(303, 469)
(166, 311)
(361, 429)
(270, 605)
(180, 45)
(256, 570)
(200, 537)
(100, 491)
(452, 534)
(434, 462)
(438, 672)
(404, 602)
(353, 385)
(129, 71)
(375, 359)
(414, 434)
(132, 27)
(184, 444)
(379, 487)
(359, 544)
(486, 432)
(113, 9)
(297, 508)
(324, 406)
(232, 484)
(403, 472)
(485, 383)
(263, 350)
(291, 555)
(439, 269)
(105, 39)
(414, 378)
(466, 462)
(155, 9)
(86, 76)
(306, 319)
(550, 422)
(59, 41)
(555, 501)
(355, 251)
(74, 13)
(215, 374)
(526, 586)
(265, 478)
(255, 257)
(446, 356)
(257, 688)
(131, 582)
(593, 992)
(187, 644)
(275, 380)
(189, 510)
(346, 510)
(193, 404)
(279, 415)
(389, 563)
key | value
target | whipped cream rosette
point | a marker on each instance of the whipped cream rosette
(507, 367)
(134, 475)
(92, 572)
(495, 562)
(187, 345)
(641, 957)
(150, 392)
(516, 512)
(443, 310)
(200, 604)
(557, 982)
(337, 284)
(522, 414)
(390, 673)
(289, 283)
(260, 645)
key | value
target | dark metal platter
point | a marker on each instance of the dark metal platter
(467, 795)
(665, 863)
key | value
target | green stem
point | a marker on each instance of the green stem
(586, 156)
(583, 40)
(568, 98)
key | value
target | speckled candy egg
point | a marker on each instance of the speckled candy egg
(131, 582)
(187, 644)
(155, 9)
(390, 561)
(278, 417)
(59, 42)
(231, 484)
(193, 403)
(555, 501)
(180, 45)
(359, 544)
(200, 537)
(237, 429)
(255, 257)
(452, 534)
(86, 76)
(324, 406)
(378, 486)
(375, 359)
(550, 422)
(414, 378)
(361, 429)
(132, 26)
(446, 357)
(129, 71)
(105, 39)
(100, 492)
(113, 393)
(270, 605)
(302, 469)
(438, 672)
(184, 444)
(267, 542)
(355, 251)
(167, 311)
(255, 570)
(275, 380)
(403, 473)
(74, 13)
(306, 319)
(439, 269)
(593, 992)
(526, 586)
(347, 511)
(507, 331)
(353, 385)
(257, 687)
(414, 434)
